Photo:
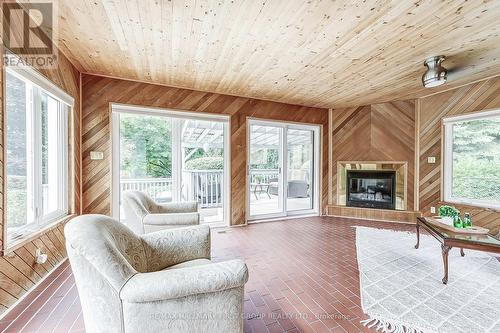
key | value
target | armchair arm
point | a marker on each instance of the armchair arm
(172, 219)
(182, 282)
(178, 207)
(172, 246)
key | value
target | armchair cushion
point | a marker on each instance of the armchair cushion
(172, 219)
(176, 207)
(190, 263)
(182, 282)
(166, 248)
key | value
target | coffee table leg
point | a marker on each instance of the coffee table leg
(418, 235)
(462, 253)
(445, 249)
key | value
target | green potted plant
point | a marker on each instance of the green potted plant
(447, 214)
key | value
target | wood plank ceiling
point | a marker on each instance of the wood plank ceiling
(317, 53)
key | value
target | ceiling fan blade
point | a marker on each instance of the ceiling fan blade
(456, 73)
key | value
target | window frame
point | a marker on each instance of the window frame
(177, 115)
(36, 84)
(447, 158)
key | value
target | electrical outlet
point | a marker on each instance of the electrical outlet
(431, 159)
(96, 155)
(40, 257)
(433, 210)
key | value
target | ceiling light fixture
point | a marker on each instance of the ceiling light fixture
(435, 75)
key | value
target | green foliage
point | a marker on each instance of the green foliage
(476, 179)
(448, 211)
(16, 208)
(15, 105)
(476, 159)
(258, 178)
(145, 146)
(265, 158)
(477, 137)
(206, 163)
(16, 201)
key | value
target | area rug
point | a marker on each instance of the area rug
(402, 292)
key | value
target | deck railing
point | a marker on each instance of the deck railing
(159, 189)
(204, 186)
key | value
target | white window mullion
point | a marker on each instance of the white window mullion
(115, 171)
(31, 169)
(65, 151)
(448, 161)
(62, 157)
(37, 154)
(284, 169)
(176, 160)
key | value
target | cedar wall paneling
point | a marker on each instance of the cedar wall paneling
(98, 92)
(475, 97)
(18, 270)
(378, 132)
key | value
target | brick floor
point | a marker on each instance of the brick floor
(303, 278)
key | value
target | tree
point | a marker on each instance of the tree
(476, 159)
(146, 146)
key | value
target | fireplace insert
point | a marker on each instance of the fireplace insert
(371, 189)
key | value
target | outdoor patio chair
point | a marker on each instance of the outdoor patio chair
(298, 189)
(273, 186)
(208, 192)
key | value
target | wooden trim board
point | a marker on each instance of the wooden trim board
(373, 214)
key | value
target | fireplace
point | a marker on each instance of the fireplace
(371, 189)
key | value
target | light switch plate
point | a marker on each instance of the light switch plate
(433, 210)
(96, 155)
(431, 159)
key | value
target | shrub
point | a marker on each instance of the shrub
(206, 163)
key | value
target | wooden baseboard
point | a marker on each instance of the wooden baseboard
(373, 214)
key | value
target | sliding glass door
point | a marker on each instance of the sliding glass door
(283, 171)
(265, 166)
(170, 157)
(202, 166)
(300, 169)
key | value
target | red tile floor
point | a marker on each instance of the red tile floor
(303, 278)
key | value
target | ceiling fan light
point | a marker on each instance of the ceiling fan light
(436, 74)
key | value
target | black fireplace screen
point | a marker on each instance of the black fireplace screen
(371, 189)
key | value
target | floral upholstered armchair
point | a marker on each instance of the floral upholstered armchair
(143, 214)
(158, 282)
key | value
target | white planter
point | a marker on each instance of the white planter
(447, 220)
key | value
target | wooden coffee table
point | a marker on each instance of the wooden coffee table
(449, 240)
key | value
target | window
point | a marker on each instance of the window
(472, 159)
(36, 154)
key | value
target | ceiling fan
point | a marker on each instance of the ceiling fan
(436, 74)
